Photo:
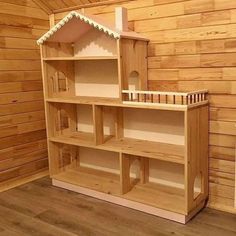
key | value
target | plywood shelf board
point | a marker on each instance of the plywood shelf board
(80, 58)
(93, 179)
(155, 150)
(157, 195)
(113, 102)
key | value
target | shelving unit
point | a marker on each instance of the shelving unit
(111, 138)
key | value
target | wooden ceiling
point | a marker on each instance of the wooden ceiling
(53, 5)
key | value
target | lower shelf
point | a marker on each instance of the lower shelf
(151, 194)
(94, 179)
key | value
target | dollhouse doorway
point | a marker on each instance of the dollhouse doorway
(134, 81)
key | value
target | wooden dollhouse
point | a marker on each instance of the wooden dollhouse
(111, 138)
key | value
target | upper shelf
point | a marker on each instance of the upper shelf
(155, 150)
(172, 101)
(114, 102)
(80, 58)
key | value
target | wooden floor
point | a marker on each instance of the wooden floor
(38, 209)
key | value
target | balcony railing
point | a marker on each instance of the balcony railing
(165, 98)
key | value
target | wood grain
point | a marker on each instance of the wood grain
(39, 207)
(23, 150)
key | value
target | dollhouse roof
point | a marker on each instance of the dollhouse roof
(76, 24)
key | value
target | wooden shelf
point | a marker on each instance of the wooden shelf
(80, 58)
(114, 102)
(156, 195)
(77, 138)
(155, 150)
(94, 179)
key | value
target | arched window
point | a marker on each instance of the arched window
(133, 81)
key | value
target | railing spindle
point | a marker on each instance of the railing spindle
(151, 98)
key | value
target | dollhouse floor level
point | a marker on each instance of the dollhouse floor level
(152, 194)
(166, 202)
(161, 151)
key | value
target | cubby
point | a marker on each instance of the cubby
(111, 138)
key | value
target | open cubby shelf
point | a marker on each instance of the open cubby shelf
(110, 137)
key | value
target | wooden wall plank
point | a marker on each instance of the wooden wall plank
(23, 149)
(18, 10)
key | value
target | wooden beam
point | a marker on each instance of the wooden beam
(94, 4)
(43, 6)
(52, 20)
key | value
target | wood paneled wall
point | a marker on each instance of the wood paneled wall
(193, 46)
(23, 150)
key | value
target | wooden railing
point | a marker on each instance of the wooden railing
(159, 97)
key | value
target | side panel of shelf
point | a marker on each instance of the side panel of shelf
(125, 171)
(58, 79)
(133, 64)
(196, 157)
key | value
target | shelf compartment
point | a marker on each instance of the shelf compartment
(70, 76)
(86, 167)
(157, 195)
(153, 182)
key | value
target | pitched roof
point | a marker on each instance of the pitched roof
(93, 21)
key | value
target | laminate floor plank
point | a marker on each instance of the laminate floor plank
(38, 208)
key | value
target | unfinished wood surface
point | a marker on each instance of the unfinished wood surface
(124, 173)
(192, 44)
(98, 124)
(154, 195)
(160, 151)
(50, 6)
(23, 149)
(196, 121)
(152, 151)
